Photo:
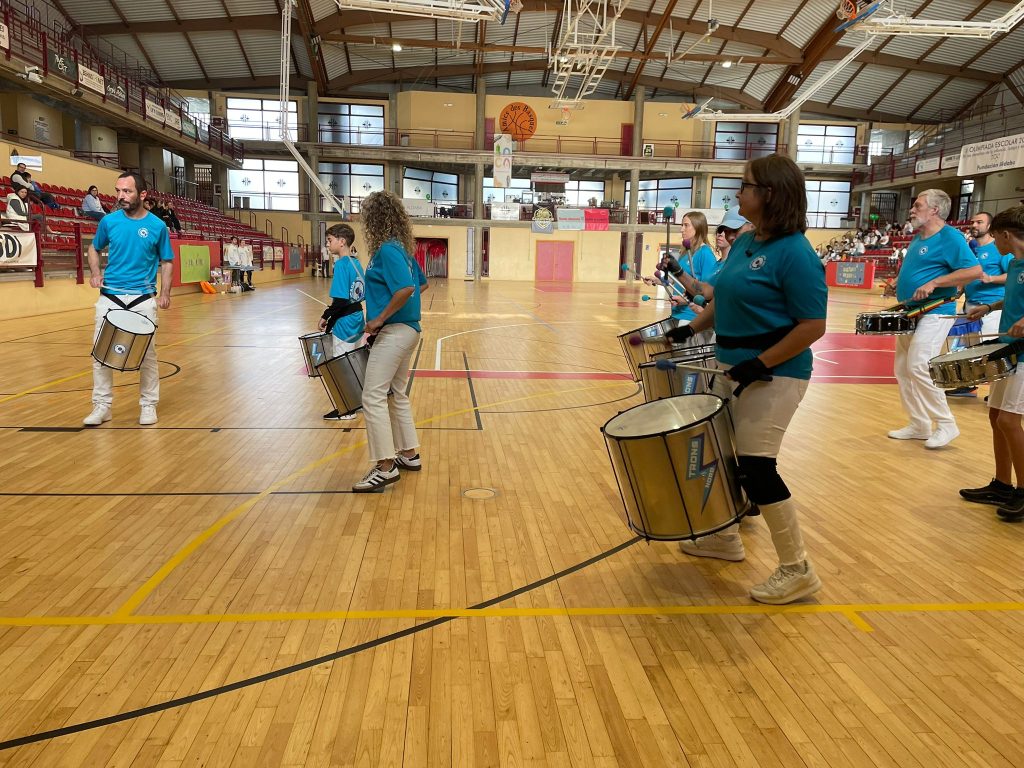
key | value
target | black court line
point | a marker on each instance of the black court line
(107, 427)
(51, 429)
(415, 364)
(303, 665)
(472, 393)
(47, 333)
(634, 393)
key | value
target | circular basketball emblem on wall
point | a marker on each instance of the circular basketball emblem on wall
(519, 120)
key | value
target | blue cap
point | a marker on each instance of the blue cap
(732, 220)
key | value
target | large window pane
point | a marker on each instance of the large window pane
(723, 192)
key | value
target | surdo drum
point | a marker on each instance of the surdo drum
(659, 384)
(314, 351)
(123, 340)
(343, 378)
(974, 365)
(675, 464)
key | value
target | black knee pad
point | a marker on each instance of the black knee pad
(760, 479)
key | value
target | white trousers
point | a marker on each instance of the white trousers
(922, 400)
(990, 322)
(389, 425)
(149, 375)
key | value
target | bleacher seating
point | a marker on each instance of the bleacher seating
(199, 222)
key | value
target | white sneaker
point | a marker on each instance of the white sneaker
(100, 414)
(376, 479)
(787, 584)
(910, 432)
(722, 546)
(944, 435)
(147, 415)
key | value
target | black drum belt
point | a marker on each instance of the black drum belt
(133, 303)
(761, 341)
(349, 309)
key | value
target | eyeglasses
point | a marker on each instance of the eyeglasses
(745, 184)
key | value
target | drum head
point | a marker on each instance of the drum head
(970, 353)
(663, 416)
(133, 322)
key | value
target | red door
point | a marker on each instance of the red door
(626, 140)
(554, 261)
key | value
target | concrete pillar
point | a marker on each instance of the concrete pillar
(700, 183)
(865, 204)
(219, 172)
(481, 112)
(634, 216)
(791, 134)
(312, 114)
(394, 182)
(978, 202)
(638, 120)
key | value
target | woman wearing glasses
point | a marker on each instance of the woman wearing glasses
(769, 307)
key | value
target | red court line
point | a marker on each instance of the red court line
(539, 375)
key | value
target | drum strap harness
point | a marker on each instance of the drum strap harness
(133, 303)
(340, 308)
(761, 341)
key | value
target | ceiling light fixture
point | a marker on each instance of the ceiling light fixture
(396, 47)
(726, 64)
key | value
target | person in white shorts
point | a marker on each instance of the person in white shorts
(1006, 398)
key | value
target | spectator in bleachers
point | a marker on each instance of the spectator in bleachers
(91, 205)
(21, 178)
(908, 228)
(19, 212)
(173, 222)
(231, 252)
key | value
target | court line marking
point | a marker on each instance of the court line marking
(314, 298)
(154, 581)
(852, 611)
(437, 344)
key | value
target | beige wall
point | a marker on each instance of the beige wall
(1003, 190)
(102, 139)
(39, 122)
(61, 170)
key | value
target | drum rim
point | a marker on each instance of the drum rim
(317, 334)
(649, 325)
(364, 349)
(709, 417)
(948, 357)
(121, 310)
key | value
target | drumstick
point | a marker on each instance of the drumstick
(671, 365)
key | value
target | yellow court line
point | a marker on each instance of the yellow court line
(851, 612)
(154, 581)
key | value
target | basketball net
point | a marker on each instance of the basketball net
(847, 10)
(515, 6)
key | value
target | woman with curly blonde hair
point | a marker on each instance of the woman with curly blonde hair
(393, 309)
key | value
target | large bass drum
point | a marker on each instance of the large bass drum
(675, 464)
(659, 384)
(343, 378)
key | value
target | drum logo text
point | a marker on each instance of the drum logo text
(695, 468)
(690, 384)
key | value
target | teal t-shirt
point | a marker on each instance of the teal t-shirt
(137, 246)
(932, 257)
(993, 264)
(1013, 301)
(349, 282)
(764, 286)
(704, 266)
(390, 270)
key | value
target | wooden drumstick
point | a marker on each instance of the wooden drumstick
(671, 365)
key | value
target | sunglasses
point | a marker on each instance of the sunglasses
(745, 184)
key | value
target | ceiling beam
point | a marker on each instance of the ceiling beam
(850, 113)
(531, 50)
(649, 45)
(313, 52)
(270, 21)
(241, 83)
(901, 62)
(817, 47)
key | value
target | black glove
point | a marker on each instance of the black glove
(747, 372)
(680, 335)
(1011, 349)
(671, 265)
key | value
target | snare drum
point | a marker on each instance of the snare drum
(314, 351)
(887, 322)
(123, 340)
(640, 344)
(675, 464)
(659, 384)
(343, 378)
(972, 366)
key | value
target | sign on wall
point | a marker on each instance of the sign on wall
(994, 155)
(597, 219)
(91, 79)
(504, 211)
(154, 111)
(35, 162)
(543, 221)
(570, 219)
(116, 92)
(172, 120)
(62, 64)
(5, 37)
(17, 249)
(519, 120)
(502, 160)
(415, 206)
(850, 272)
(41, 129)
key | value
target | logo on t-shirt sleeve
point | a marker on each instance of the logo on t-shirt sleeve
(358, 290)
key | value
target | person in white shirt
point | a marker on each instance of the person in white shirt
(91, 205)
(18, 212)
(231, 252)
(245, 260)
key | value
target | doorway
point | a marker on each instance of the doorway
(554, 261)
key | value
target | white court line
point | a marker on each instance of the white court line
(437, 346)
(314, 298)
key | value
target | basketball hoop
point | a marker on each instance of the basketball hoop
(515, 6)
(847, 10)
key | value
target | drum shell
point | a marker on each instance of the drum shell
(111, 339)
(343, 378)
(652, 341)
(314, 351)
(948, 373)
(682, 483)
(659, 384)
(885, 324)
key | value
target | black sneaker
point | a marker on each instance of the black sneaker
(996, 492)
(1013, 511)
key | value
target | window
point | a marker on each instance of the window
(723, 192)
(198, 109)
(352, 181)
(826, 143)
(745, 141)
(578, 193)
(272, 185)
(828, 203)
(351, 124)
(962, 209)
(658, 194)
(424, 184)
(259, 119)
(511, 194)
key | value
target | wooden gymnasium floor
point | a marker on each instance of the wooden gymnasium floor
(212, 594)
